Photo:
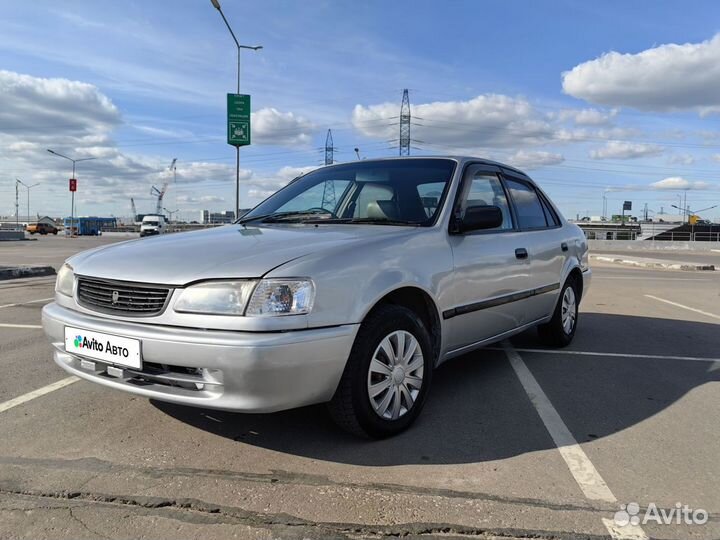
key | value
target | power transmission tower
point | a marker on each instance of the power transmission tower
(328, 198)
(405, 124)
(329, 148)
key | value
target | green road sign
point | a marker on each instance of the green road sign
(238, 119)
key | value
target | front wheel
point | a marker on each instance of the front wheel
(387, 376)
(560, 330)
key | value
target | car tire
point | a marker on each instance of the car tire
(560, 330)
(387, 413)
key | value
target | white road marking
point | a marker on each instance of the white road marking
(701, 312)
(37, 393)
(616, 355)
(627, 532)
(4, 325)
(580, 466)
(28, 302)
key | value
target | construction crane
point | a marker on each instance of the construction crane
(134, 210)
(161, 192)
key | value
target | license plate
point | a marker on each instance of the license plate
(104, 347)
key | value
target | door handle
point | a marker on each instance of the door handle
(521, 253)
(564, 246)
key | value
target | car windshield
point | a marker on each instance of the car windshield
(153, 223)
(392, 192)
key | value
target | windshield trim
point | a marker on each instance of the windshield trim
(429, 223)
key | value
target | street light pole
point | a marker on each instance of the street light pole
(216, 5)
(28, 196)
(72, 193)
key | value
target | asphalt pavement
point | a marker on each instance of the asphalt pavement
(516, 440)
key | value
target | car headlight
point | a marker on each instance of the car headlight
(281, 297)
(215, 297)
(65, 281)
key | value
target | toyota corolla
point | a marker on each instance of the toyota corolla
(348, 286)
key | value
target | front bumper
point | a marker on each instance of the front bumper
(235, 371)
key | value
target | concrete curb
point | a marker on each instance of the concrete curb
(17, 272)
(661, 265)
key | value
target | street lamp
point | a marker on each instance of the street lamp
(28, 196)
(72, 193)
(216, 5)
(171, 212)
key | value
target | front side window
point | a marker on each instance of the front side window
(485, 189)
(395, 192)
(530, 213)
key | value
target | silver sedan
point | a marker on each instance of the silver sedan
(348, 286)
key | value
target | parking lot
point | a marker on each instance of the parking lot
(515, 441)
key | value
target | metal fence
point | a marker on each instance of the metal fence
(611, 234)
(669, 236)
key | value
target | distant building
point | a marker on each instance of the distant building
(211, 218)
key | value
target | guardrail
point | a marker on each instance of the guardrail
(669, 236)
(610, 234)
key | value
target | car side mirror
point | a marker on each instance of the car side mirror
(480, 217)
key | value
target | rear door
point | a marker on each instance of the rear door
(542, 237)
(487, 274)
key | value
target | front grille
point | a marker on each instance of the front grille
(122, 298)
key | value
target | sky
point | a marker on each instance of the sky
(616, 100)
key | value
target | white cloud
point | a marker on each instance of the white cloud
(625, 150)
(524, 159)
(677, 182)
(262, 188)
(33, 105)
(489, 120)
(664, 78)
(681, 159)
(197, 172)
(587, 117)
(271, 126)
(202, 199)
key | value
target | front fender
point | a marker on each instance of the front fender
(350, 280)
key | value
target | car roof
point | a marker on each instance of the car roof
(461, 159)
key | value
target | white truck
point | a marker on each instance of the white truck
(153, 224)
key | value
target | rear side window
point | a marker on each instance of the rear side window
(550, 215)
(530, 212)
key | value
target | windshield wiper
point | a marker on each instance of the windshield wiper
(280, 216)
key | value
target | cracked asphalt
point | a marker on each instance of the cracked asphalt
(638, 391)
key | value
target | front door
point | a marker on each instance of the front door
(488, 273)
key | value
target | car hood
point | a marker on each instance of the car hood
(231, 251)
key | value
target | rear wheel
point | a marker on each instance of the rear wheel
(387, 376)
(560, 330)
